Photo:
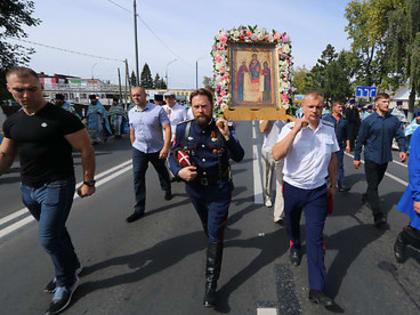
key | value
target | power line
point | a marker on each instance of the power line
(151, 31)
(67, 50)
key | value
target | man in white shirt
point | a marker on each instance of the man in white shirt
(271, 130)
(308, 147)
(176, 113)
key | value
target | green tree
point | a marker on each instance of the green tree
(133, 79)
(163, 84)
(156, 82)
(367, 25)
(298, 82)
(331, 75)
(402, 42)
(14, 15)
(146, 80)
(207, 83)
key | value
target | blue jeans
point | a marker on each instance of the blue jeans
(50, 205)
(140, 164)
(340, 167)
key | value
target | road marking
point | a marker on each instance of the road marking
(258, 192)
(13, 227)
(401, 164)
(267, 311)
(397, 179)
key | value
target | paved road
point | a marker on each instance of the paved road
(155, 265)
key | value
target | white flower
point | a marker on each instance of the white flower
(254, 37)
(236, 33)
(260, 36)
(286, 48)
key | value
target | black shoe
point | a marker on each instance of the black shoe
(319, 297)
(380, 221)
(399, 249)
(168, 195)
(51, 286)
(134, 217)
(173, 180)
(343, 189)
(295, 257)
(62, 298)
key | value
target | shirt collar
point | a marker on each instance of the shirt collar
(145, 108)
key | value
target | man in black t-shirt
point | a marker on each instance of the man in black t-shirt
(44, 135)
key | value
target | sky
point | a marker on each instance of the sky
(182, 34)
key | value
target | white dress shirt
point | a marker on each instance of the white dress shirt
(306, 163)
(177, 114)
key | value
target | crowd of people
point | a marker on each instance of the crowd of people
(303, 157)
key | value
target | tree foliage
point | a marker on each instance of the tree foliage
(14, 15)
(207, 83)
(159, 83)
(146, 80)
(299, 79)
(133, 79)
(331, 75)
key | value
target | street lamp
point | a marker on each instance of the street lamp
(91, 69)
(166, 74)
(196, 71)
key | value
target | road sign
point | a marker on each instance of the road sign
(366, 91)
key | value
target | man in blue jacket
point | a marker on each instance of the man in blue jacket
(410, 202)
(376, 134)
(341, 131)
(208, 177)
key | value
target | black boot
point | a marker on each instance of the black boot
(214, 262)
(399, 248)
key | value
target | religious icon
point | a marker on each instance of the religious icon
(253, 73)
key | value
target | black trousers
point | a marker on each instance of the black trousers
(374, 175)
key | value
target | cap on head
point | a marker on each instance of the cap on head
(169, 94)
(370, 107)
(59, 96)
(399, 103)
(352, 102)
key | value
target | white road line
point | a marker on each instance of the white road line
(13, 227)
(397, 179)
(401, 164)
(258, 192)
(266, 311)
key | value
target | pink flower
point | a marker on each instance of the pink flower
(280, 51)
(285, 38)
(219, 99)
(266, 37)
(241, 36)
(223, 92)
(285, 98)
(277, 36)
(223, 39)
(222, 70)
(225, 77)
(218, 59)
(248, 34)
(222, 48)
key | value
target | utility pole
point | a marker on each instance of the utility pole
(196, 74)
(127, 83)
(119, 84)
(135, 42)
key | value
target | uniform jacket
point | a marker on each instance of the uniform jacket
(203, 146)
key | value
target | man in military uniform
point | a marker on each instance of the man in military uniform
(208, 177)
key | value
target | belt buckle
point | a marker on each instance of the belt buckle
(204, 181)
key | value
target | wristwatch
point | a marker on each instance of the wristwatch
(90, 183)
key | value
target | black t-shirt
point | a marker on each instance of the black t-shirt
(45, 155)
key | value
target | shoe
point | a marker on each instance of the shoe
(343, 189)
(319, 297)
(213, 266)
(168, 195)
(279, 221)
(62, 298)
(295, 257)
(268, 203)
(51, 286)
(173, 180)
(379, 221)
(134, 217)
(399, 249)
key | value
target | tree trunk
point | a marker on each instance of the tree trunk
(411, 101)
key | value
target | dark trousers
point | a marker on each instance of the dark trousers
(340, 168)
(212, 204)
(50, 205)
(314, 203)
(140, 164)
(374, 175)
